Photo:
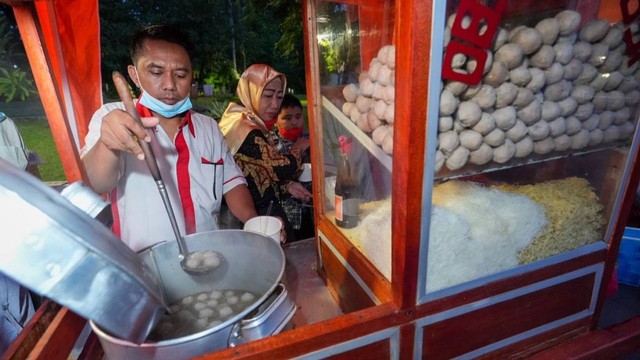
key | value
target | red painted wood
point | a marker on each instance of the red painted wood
(58, 340)
(375, 20)
(318, 336)
(610, 343)
(51, 100)
(485, 326)
(347, 292)
(33, 330)
(378, 350)
(413, 52)
(540, 342)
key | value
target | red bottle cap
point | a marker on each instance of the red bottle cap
(345, 144)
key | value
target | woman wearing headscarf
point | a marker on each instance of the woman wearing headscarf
(247, 129)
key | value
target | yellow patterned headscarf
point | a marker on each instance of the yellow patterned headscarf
(239, 119)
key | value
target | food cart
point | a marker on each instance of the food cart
(496, 150)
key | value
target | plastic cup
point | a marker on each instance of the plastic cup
(306, 173)
(265, 225)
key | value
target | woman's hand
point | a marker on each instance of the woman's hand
(298, 191)
(302, 144)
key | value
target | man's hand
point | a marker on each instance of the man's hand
(120, 132)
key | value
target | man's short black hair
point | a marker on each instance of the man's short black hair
(289, 101)
(168, 33)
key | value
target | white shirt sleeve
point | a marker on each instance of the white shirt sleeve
(93, 135)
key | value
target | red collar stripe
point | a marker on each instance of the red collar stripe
(115, 213)
(184, 182)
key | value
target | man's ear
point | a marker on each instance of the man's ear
(133, 74)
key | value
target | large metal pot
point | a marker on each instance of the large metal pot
(253, 262)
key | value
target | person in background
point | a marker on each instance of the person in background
(12, 147)
(297, 202)
(192, 155)
(16, 301)
(248, 126)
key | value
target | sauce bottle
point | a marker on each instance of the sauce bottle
(347, 202)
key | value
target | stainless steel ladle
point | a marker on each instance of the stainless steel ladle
(196, 262)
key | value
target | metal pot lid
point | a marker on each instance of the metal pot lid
(53, 248)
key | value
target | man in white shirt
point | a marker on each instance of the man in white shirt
(191, 152)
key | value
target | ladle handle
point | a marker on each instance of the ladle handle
(122, 87)
(125, 95)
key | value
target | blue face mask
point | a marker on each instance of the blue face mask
(165, 110)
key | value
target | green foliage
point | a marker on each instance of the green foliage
(222, 76)
(339, 50)
(229, 36)
(213, 106)
(216, 108)
(15, 84)
(329, 54)
(15, 75)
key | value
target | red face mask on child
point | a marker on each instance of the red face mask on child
(291, 134)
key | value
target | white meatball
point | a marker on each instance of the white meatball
(246, 297)
(202, 323)
(544, 146)
(580, 140)
(206, 313)
(596, 137)
(504, 152)
(211, 261)
(214, 323)
(562, 142)
(184, 315)
(225, 311)
(524, 147)
(192, 262)
(187, 300)
(483, 155)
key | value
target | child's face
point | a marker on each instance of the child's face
(290, 118)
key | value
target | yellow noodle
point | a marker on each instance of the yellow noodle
(573, 213)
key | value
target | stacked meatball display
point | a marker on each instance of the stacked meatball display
(370, 103)
(550, 88)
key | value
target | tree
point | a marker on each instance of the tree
(227, 33)
(291, 43)
(16, 80)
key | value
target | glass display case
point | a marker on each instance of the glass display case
(524, 114)
(356, 67)
(537, 111)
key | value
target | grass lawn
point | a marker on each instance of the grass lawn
(36, 134)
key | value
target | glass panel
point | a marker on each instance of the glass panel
(536, 117)
(357, 71)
